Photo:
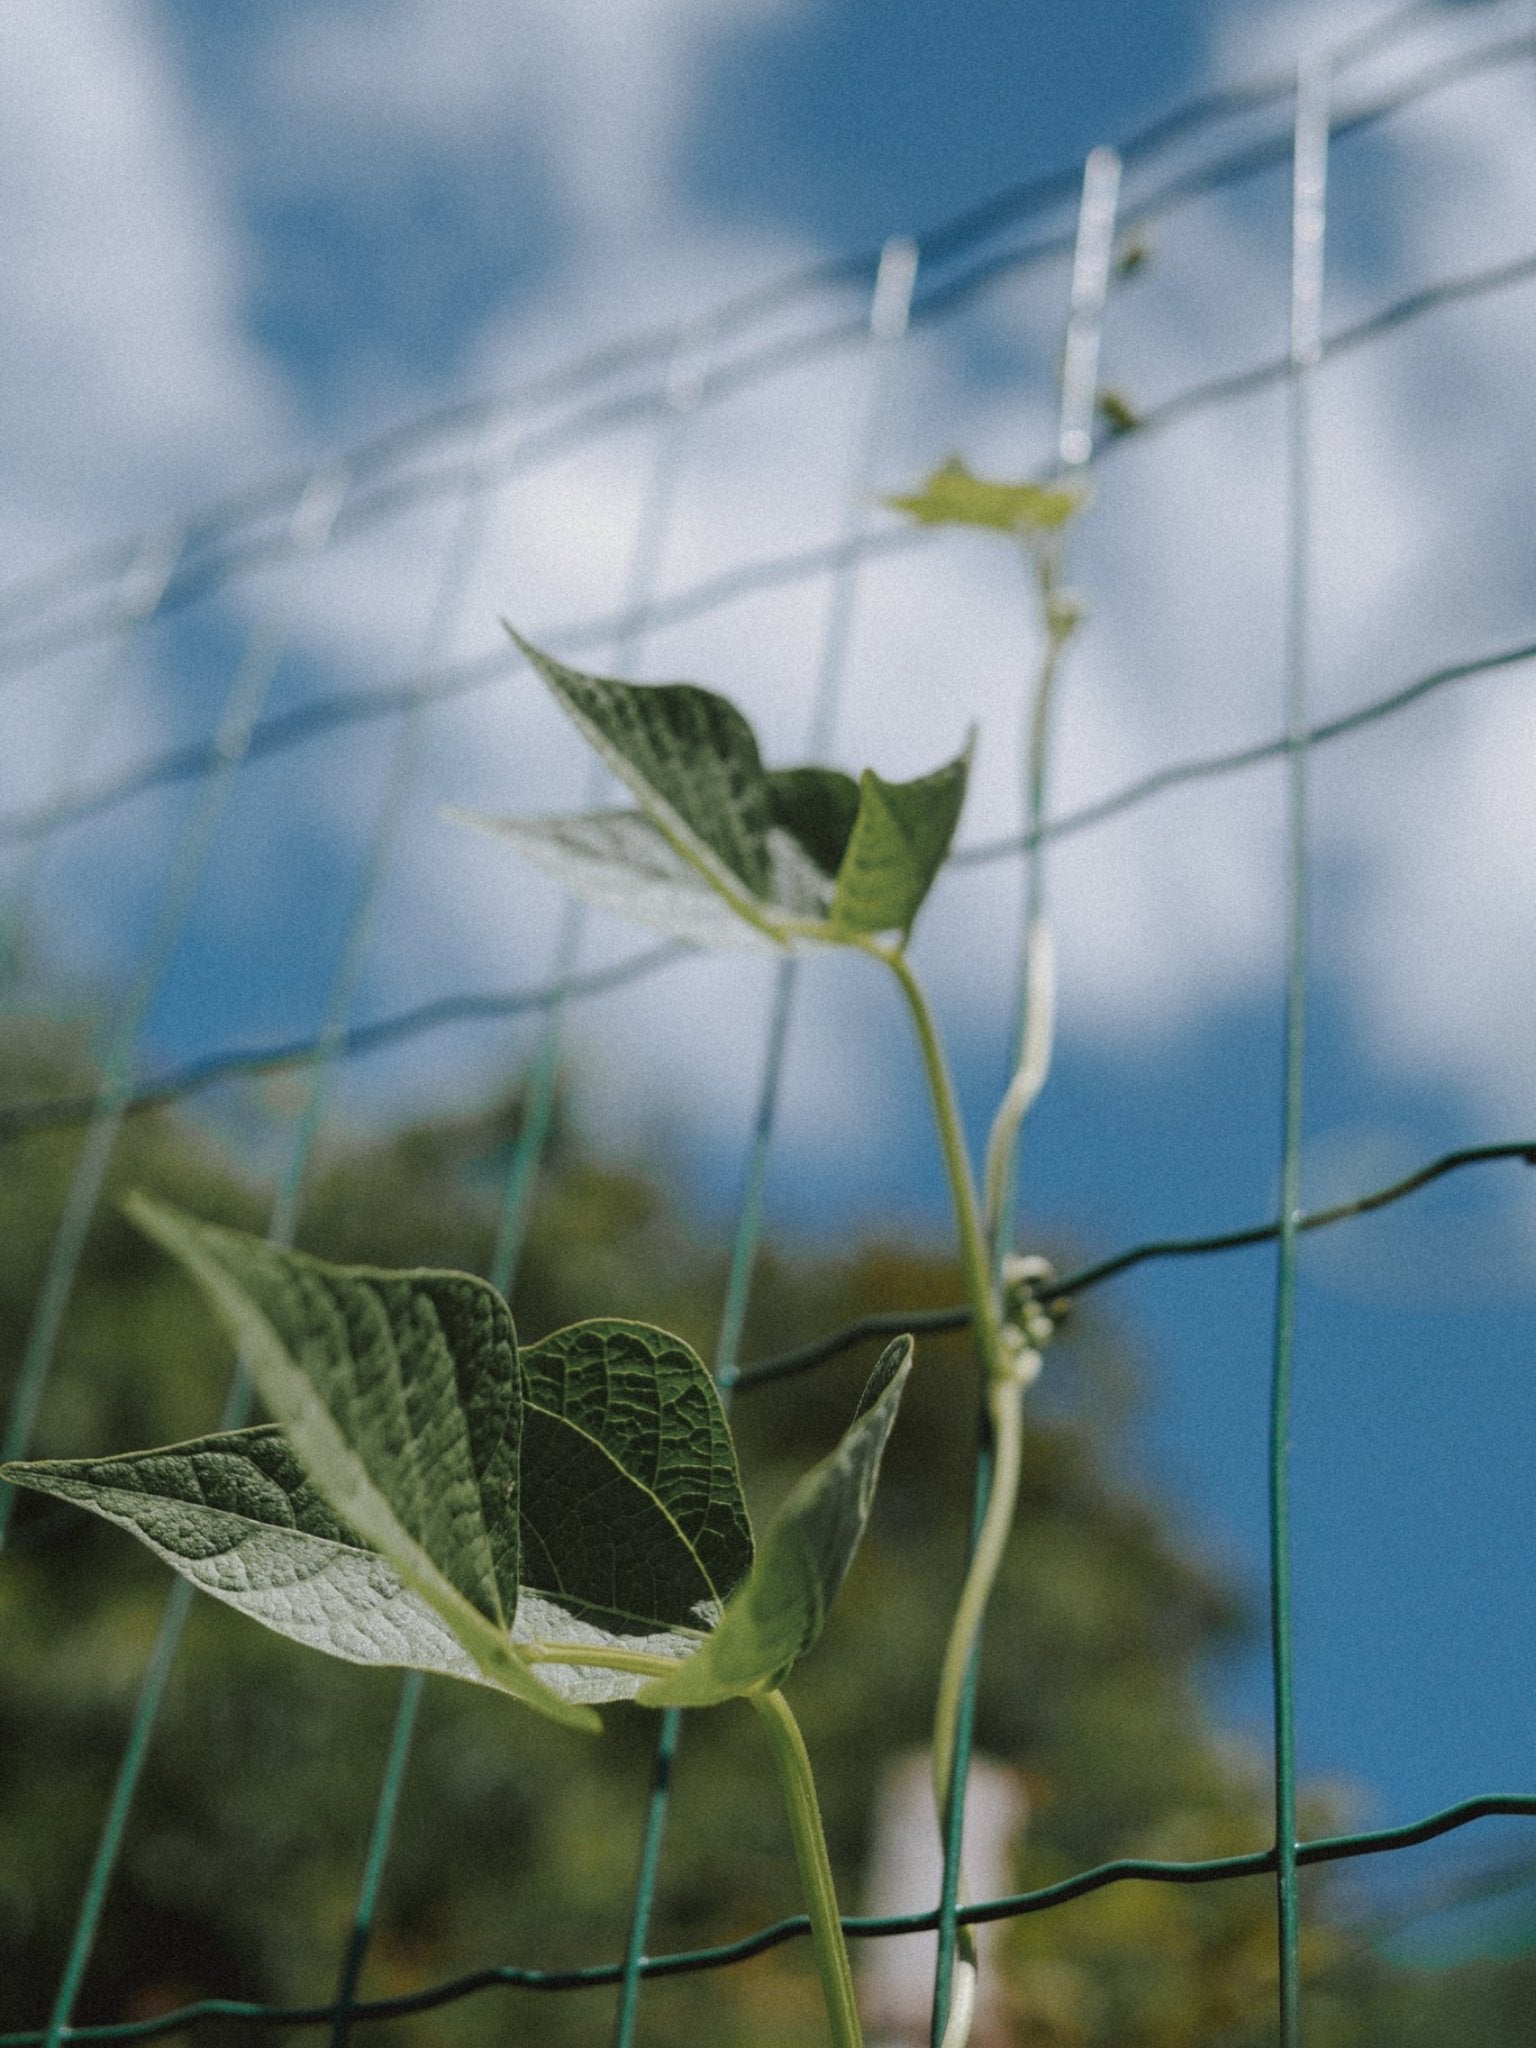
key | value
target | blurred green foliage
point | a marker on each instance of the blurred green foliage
(517, 1840)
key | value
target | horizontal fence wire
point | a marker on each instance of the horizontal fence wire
(659, 345)
(511, 1976)
(370, 503)
(1054, 1296)
(340, 710)
(19, 1119)
(257, 529)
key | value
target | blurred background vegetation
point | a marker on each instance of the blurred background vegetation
(516, 1841)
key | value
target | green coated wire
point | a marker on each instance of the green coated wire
(1122, 1870)
(1079, 379)
(1285, 1856)
(1309, 213)
(282, 1225)
(146, 1713)
(380, 1836)
(464, 552)
(145, 576)
(978, 222)
(953, 1819)
(538, 1109)
(523, 1168)
(393, 492)
(745, 1243)
(890, 306)
(18, 1119)
(253, 679)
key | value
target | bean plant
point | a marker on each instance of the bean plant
(564, 1521)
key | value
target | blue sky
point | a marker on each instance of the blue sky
(245, 238)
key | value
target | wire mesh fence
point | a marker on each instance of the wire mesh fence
(272, 555)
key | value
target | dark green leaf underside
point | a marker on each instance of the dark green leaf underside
(632, 1511)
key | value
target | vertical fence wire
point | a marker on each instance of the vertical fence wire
(139, 591)
(404, 771)
(1092, 252)
(890, 308)
(261, 658)
(464, 552)
(311, 525)
(1308, 219)
(531, 1143)
(685, 387)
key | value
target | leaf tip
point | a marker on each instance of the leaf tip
(165, 1226)
(891, 1370)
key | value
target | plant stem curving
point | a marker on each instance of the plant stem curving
(815, 1868)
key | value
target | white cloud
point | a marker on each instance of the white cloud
(128, 374)
(606, 87)
(127, 290)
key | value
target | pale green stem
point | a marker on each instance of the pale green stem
(815, 1868)
(598, 1657)
(1007, 1369)
(1005, 1413)
(1032, 1046)
(986, 1321)
(1028, 1079)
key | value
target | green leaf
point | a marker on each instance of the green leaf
(952, 496)
(689, 757)
(723, 852)
(237, 1515)
(399, 1393)
(898, 844)
(621, 860)
(778, 1613)
(634, 1530)
(1117, 412)
(816, 807)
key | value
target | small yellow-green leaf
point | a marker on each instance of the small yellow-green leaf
(779, 1612)
(899, 841)
(1117, 412)
(953, 496)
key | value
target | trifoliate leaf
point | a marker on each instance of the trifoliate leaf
(899, 841)
(237, 1515)
(952, 496)
(802, 1561)
(722, 851)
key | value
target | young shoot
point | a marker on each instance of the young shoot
(720, 850)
